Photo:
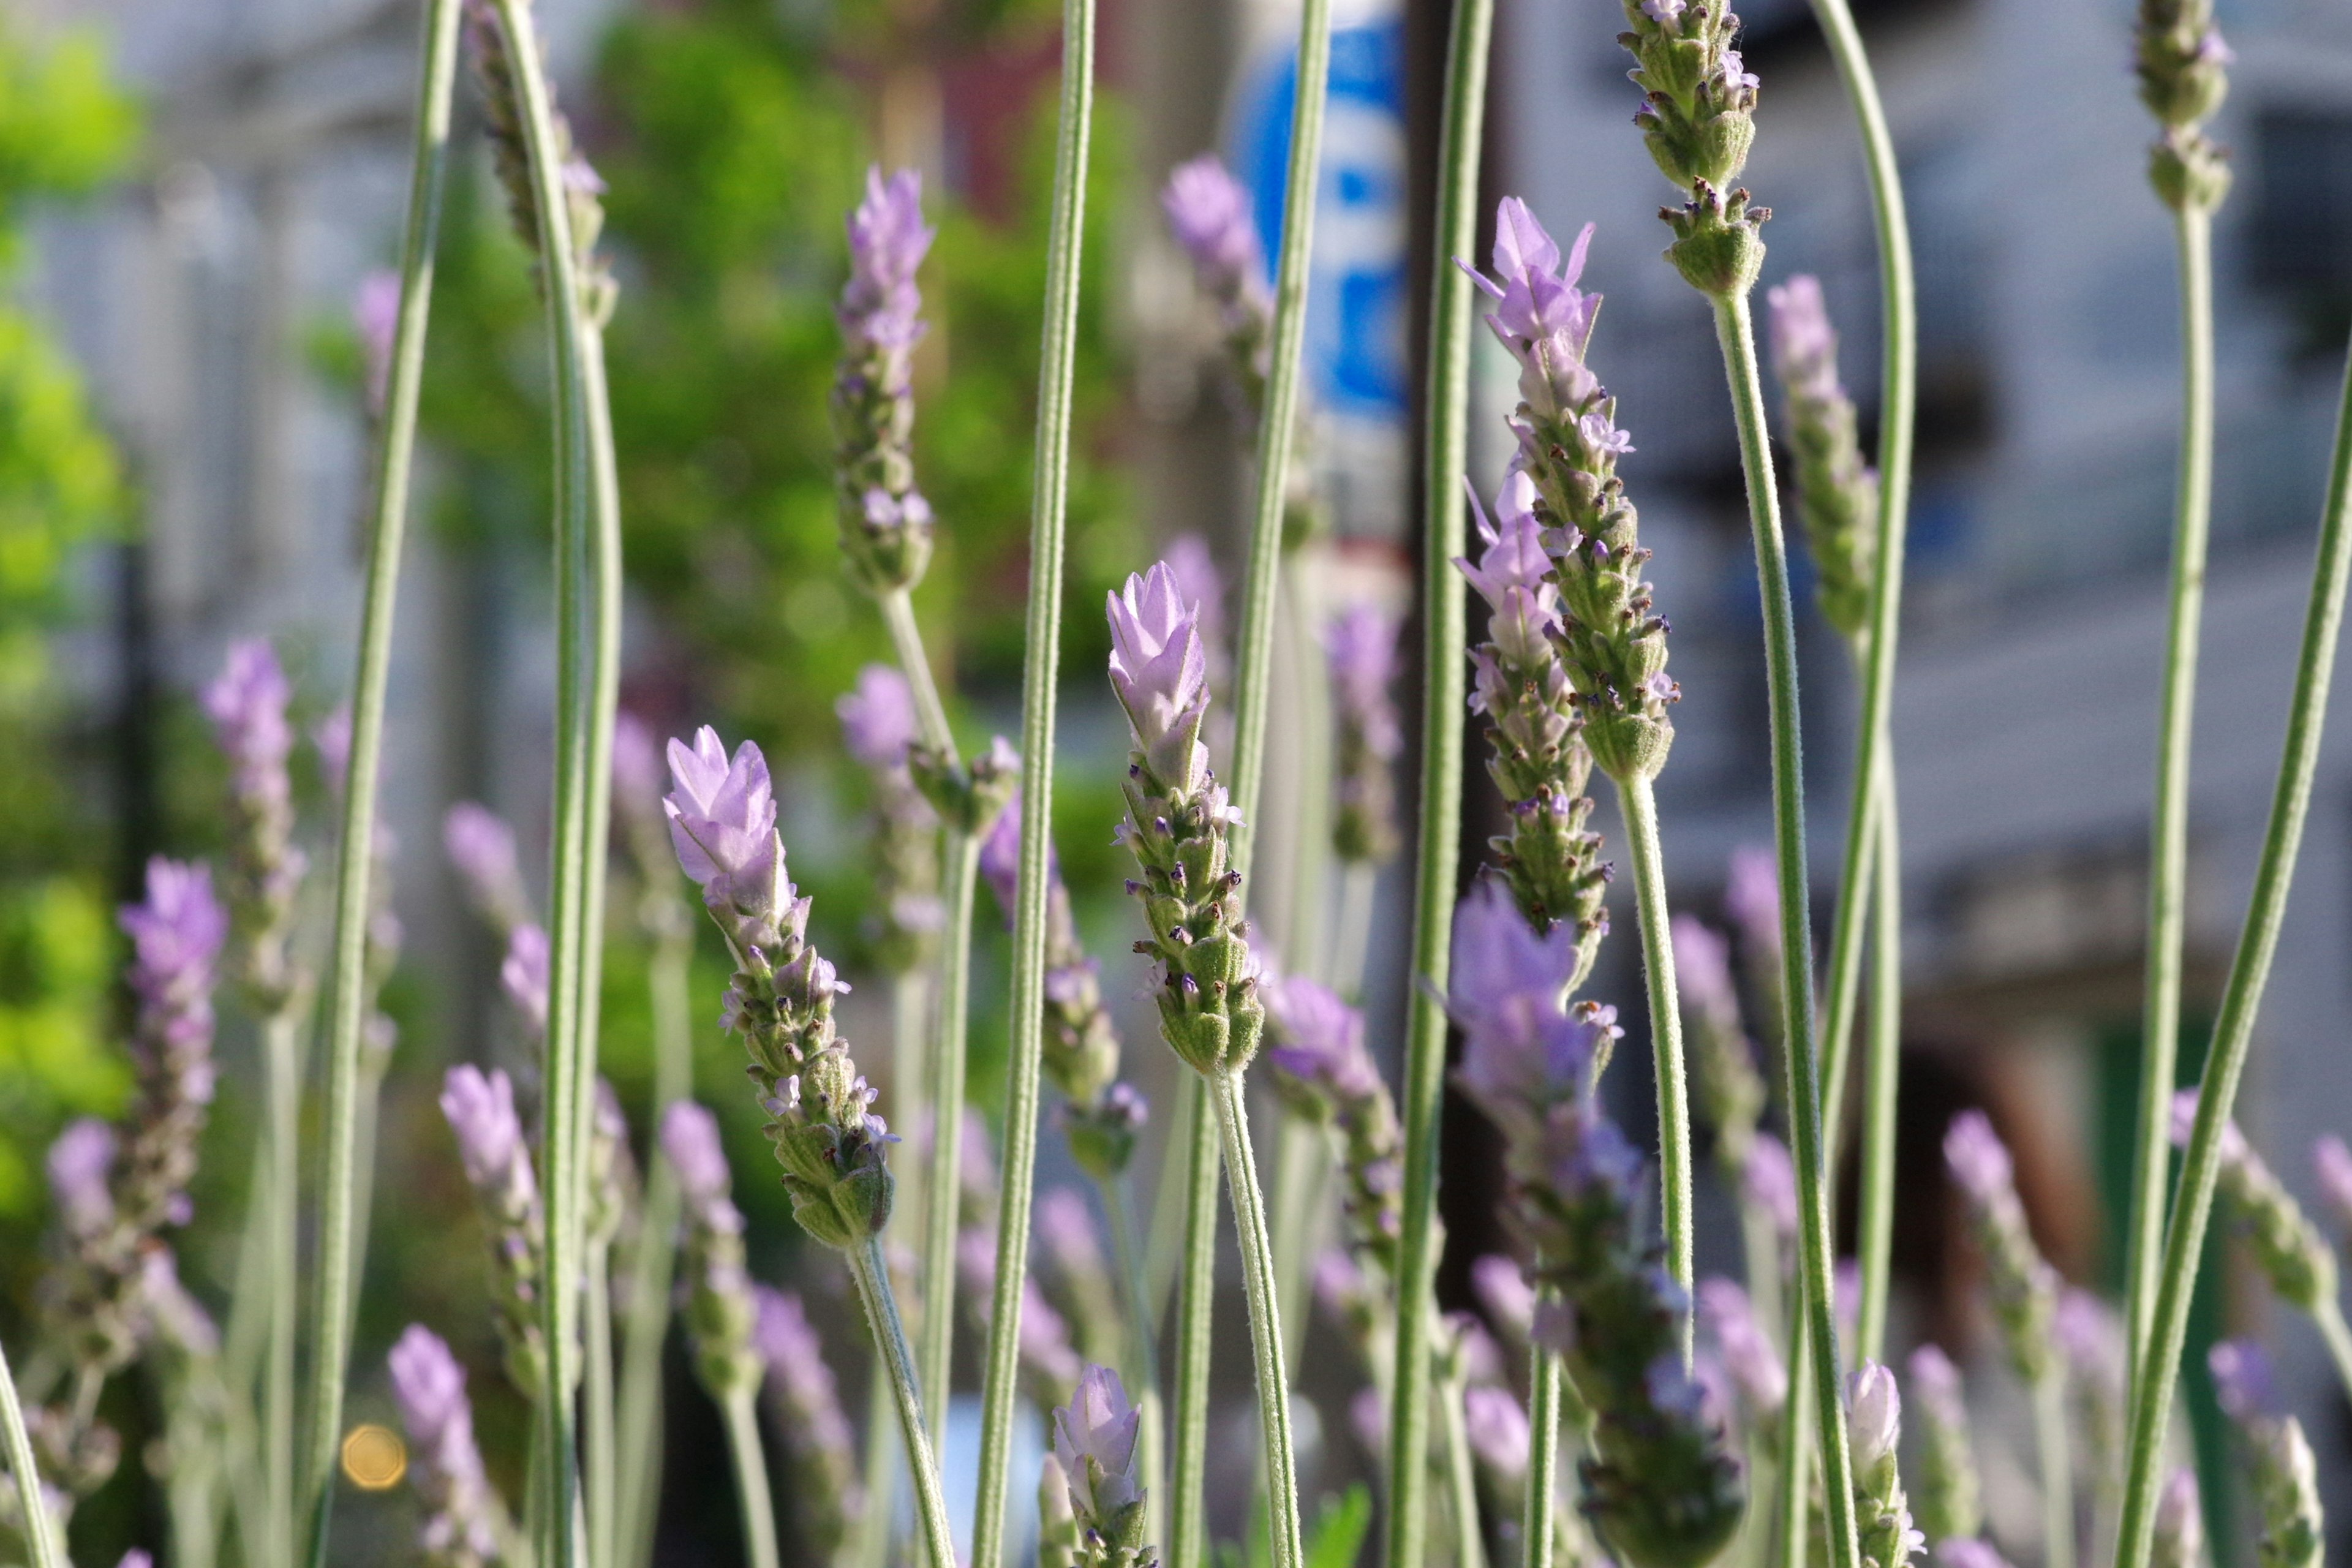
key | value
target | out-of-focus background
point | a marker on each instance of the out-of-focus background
(192, 191)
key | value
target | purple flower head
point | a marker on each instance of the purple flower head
(1360, 644)
(1875, 1412)
(1702, 966)
(2331, 1163)
(1510, 576)
(1523, 1052)
(1322, 1040)
(2243, 1380)
(2235, 1150)
(1967, 1552)
(1980, 1161)
(1936, 1385)
(1496, 1427)
(1161, 673)
(247, 704)
(2181, 1517)
(1093, 1438)
(637, 767)
(1539, 313)
(1768, 1181)
(1751, 896)
(81, 1163)
(1000, 858)
(2089, 1337)
(1208, 212)
(482, 848)
(375, 316)
(429, 1386)
(880, 304)
(689, 1141)
(481, 1114)
(1503, 1289)
(177, 933)
(523, 975)
(1805, 346)
(1338, 1283)
(877, 720)
(1749, 1358)
(722, 822)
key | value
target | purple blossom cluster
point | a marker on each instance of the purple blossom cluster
(248, 706)
(2024, 1286)
(465, 1525)
(496, 1154)
(886, 523)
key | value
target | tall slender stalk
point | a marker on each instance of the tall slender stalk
(2168, 869)
(899, 1364)
(752, 1492)
(598, 1436)
(281, 1052)
(1735, 333)
(1225, 1093)
(40, 1527)
(946, 1077)
(1883, 1070)
(332, 1319)
(1196, 1292)
(1040, 667)
(2159, 1368)
(1639, 803)
(1544, 1375)
(1437, 837)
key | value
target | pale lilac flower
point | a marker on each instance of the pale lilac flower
(877, 720)
(1749, 1357)
(1768, 1181)
(137, 1557)
(1936, 1386)
(2235, 1150)
(2089, 1336)
(179, 1319)
(429, 1386)
(880, 304)
(1322, 1038)
(722, 818)
(636, 767)
(2331, 1161)
(1540, 314)
(1979, 1161)
(1522, 1053)
(1967, 1552)
(247, 704)
(2243, 1380)
(523, 973)
(1805, 346)
(1208, 212)
(1512, 576)
(1161, 673)
(1199, 585)
(176, 935)
(481, 846)
(80, 1165)
(1875, 1416)
(1497, 1427)
(1368, 1418)
(490, 1142)
(2179, 1521)
(1503, 1289)
(1360, 643)
(1095, 1439)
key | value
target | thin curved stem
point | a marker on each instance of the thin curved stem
(751, 1490)
(1639, 803)
(1040, 667)
(281, 1052)
(40, 1527)
(2192, 1208)
(1735, 333)
(899, 1362)
(2168, 869)
(1883, 1069)
(1437, 849)
(1536, 1534)
(946, 1075)
(1266, 1317)
(331, 1320)
(2055, 1450)
(907, 641)
(1196, 1294)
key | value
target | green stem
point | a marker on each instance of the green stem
(1142, 1351)
(751, 1494)
(2192, 1208)
(1041, 667)
(1461, 1480)
(1535, 1536)
(946, 1089)
(1735, 332)
(598, 1433)
(1883, 1070)
(282, 1059)
(897, 1362)
(1639, 804)
(652, 1262)
(1437, 842)
(1226, 1092)
(2056, 1454)
(40, 1527)
(1196, 1294)
(907, 640)
(2167, 871)
(1795, 1497)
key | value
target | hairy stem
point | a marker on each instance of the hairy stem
(1883, 1067)
(1639, 803)
(1461, 1479)
(1437, 843)
(1735, 333)
(2167, 868)
(598, 1429)
(282, 1065)
(1196, 1294)
(40, 1527)
(1041, 666)
(2192, 1208)
(1226, 1092)
(946, 1088)
(1535, 1536)
(899, 1362)
(751, 1494)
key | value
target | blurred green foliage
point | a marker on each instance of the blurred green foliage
(64, 130)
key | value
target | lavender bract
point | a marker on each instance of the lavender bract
(886, 523)
(1095, 1440)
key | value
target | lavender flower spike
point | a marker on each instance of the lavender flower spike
(464, 1520)
(1178, 818)
(1095, 1440)
(248, 707)
(720, 1311)
(1360, 644)
(80, 1167)
(497, 1157)
(1208, 212)
(803, 1394)
(886, 523)
(178, 933)
(1874, 1413)
(2292, 1253)
(523, 975)
(1323, 1072)
(723, 824)
(481, 846)
(2024, 1286)
(2285, 1475)
(1837, 491)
